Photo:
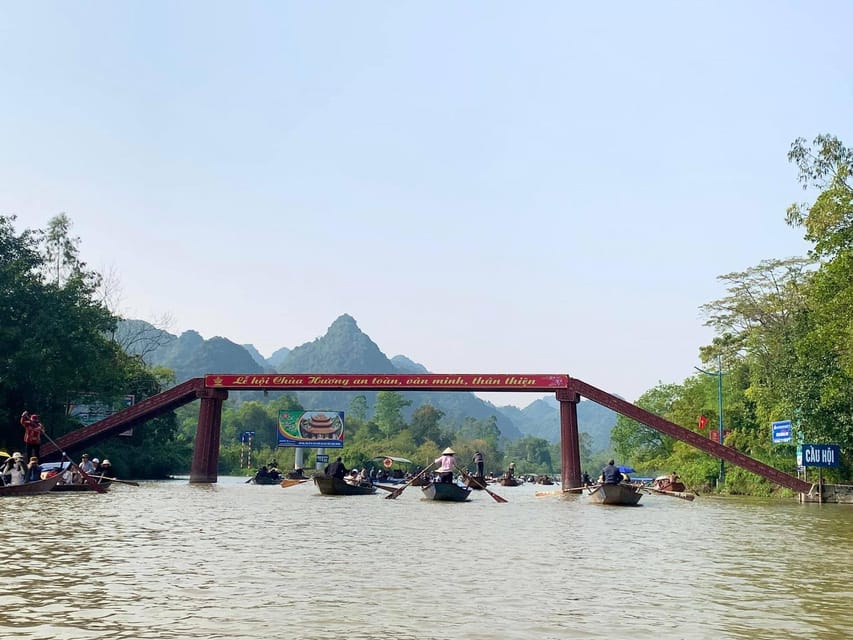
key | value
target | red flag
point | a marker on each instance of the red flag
(702, 422)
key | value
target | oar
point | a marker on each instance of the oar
(396, 492)
(471, 478)
(130, 482)
(89, 479)
(385, 487)
(289, 482)
(674, 494)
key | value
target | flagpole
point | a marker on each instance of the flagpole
(719, 376)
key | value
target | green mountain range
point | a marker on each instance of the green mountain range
(344, 348)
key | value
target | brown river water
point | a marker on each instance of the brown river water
(235, 561)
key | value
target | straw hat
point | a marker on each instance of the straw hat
(448, 452)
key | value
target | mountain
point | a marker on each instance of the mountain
(188, 355)
(541, 418)
(346, 349)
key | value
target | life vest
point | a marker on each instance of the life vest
(32, 433)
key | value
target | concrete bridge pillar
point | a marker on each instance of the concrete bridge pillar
(569, 440)
(206, 451)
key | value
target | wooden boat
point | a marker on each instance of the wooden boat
(544, 480)
(620, 494)
(330, 486)
(29, 488)
(665, 483)
(447, 491)
(509, 482)
(265, 480)
(82, 486)
(478, 483)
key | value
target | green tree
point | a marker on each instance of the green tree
(358, 408)
(389, 412)
(425, 424)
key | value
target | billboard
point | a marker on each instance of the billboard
(781, 431)
(311, 429)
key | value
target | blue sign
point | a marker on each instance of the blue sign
(781, 431)
(821, 455)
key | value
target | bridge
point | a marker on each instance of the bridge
(213, 389)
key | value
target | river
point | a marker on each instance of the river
(234, 561)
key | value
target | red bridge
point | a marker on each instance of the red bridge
(212, 390)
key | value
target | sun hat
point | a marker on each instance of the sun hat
(17, 455)
(448, 452)
(95, 460)
(106, 463)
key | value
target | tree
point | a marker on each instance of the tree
(425, 426)
(61, 248)
(358, 408)
(827, 166)
(389, 412)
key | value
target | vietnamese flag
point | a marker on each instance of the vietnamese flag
(703, 421)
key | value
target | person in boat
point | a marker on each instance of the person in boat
(510, 472)
(585, 479)
(336, 469)
(106, 467)
(33, 430)
(86, 465)
(446, 464)
(262, 473)
(479, 462)
(14, 469)
(33, 470)
(610, 474)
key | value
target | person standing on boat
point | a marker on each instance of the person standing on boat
(447, 463)
(610, 474)
(33, 429)
(336, 469)
(479, 461)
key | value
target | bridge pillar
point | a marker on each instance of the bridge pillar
(206, 451)
(570, 453)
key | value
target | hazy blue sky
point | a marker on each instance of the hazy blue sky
(520, 187)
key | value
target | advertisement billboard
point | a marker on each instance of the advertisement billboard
(320, 429)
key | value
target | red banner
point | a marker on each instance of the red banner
(386, 382)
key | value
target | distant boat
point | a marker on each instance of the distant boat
(668, 483)
(331, 486)
(447, 491)
(83, 486)
(618, 494)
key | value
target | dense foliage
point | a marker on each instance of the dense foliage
(57, 348)
(785, 341)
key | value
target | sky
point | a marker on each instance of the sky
(486, 187)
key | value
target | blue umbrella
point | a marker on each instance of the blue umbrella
(626, 469)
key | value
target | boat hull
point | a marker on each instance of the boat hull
(30, 488)
(330, 486)
(82, 486)
(617, 494)
(445, 491)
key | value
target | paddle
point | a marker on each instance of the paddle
(471, 478)
(250, 479)
(396, 492)
(385, 487)
(289, 482)
(130, 482)
(89, 479)
(674, 494)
